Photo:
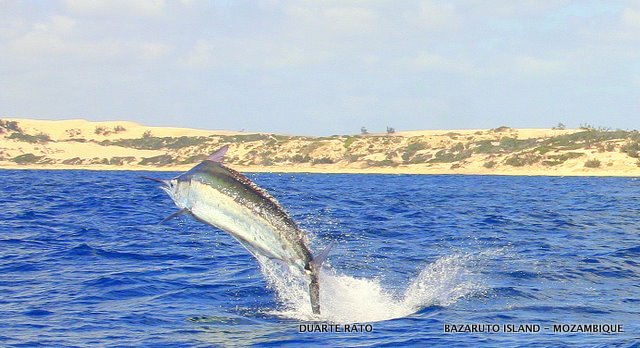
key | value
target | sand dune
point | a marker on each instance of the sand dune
(122, 145)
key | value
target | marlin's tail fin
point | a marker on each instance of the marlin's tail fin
(314, 285)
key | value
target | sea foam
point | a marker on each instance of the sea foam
(347, 299)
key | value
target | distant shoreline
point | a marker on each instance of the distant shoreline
(122, 145)
(281, 170)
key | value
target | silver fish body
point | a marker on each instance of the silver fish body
(221, 197)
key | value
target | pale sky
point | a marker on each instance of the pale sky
(323, 67)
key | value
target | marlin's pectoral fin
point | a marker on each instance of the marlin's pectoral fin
(322, 256)
(176, 214)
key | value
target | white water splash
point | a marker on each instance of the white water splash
(346, 299)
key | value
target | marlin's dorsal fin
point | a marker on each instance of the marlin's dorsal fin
(176, 214)
(322, 256)
(218, 156)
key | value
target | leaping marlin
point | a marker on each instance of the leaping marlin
(219, 196)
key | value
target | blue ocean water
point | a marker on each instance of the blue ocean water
(83, 262)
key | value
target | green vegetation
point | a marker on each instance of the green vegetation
(453, 135)
(9, 126)
(560, 126)
(349, 141)
(27, 158)
(33, 139)
(157, 143)
(351, 158)
(505, 145)
(411, 150)
(631, 148)
(311, 147)
(543, 149)
(522, 159)
(508, 144)
(160, 160)
(586, 138)
(486, 146)
(242, 138)
(501, 129)
(383, 163)
(332, 137)
(592, 163)
(282, 137)
(603, 139)
(323, 160)
(102, 130)
(490, 164)
(194, 159)
(73, 161)
(300, 159)
(73, 132)
(554, 160)
(420, 158)
(456, 153)
(119, 161)
(606, 147)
